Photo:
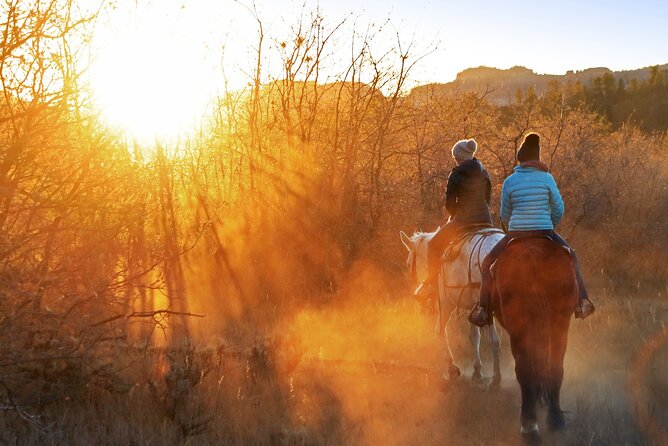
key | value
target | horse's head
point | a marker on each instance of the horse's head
(417, 253)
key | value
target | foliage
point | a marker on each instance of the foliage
(293, 184)
(644, 103)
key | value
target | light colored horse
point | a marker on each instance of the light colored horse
(458, 289)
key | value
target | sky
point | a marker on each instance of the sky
(548, 37)
(144, 48)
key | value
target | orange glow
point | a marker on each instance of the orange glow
(150, 85)
(156, 71)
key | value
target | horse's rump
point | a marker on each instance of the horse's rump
(535, 278)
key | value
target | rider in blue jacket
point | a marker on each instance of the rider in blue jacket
(531, 205)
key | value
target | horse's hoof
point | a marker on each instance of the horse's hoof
(477, 375)
(530, 433)
(495, 383)
(454, 373)
(556, 421)
(445, 386)
(532, 438)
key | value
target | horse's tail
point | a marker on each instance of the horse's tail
(541, 354)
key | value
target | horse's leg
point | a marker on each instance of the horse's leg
(474, 337)
(528, 412)
(529, 425)
(555, 416)
(446, 310)
(495, 342)
(451, 370)
(523, 372)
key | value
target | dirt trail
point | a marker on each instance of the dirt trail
(379, 386)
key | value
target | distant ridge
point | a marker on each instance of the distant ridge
(503, 84)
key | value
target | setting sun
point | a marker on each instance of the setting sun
(152, 82)
(155, 71)
(148, 87)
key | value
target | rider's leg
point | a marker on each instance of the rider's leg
(585, 307)
(437, 245)
(481, 315)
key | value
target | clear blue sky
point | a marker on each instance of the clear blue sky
(548, 37)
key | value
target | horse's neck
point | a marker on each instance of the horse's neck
(421, 249)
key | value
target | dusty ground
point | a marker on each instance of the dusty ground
(370, 374)
(386, 389)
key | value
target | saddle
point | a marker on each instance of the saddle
(529, 235)
(455, 247)
(519, 238)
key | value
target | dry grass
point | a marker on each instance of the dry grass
(365, 373)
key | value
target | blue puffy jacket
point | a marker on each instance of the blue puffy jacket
(530, 200)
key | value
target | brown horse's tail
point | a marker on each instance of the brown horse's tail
(539, 353)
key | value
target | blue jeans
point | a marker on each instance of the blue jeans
(487, 280)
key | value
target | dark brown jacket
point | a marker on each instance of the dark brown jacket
(468, 193)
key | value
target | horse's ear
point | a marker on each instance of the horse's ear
(406, 240)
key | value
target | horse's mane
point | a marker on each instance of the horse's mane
(419, 233)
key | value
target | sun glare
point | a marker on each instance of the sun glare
(158, 65)
(150, 85)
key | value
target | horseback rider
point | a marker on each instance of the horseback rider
(531, 206)
(467, 196)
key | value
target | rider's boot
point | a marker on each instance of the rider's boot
(480, 315)
(584, 308)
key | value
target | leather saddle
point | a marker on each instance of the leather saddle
(525, 237)
(455, 247)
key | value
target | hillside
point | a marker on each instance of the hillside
(503, 84)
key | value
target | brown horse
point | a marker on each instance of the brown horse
(536, 294)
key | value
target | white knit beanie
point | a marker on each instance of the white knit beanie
(463, 150)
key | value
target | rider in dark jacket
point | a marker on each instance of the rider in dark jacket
(467, 198)
(468, 193)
